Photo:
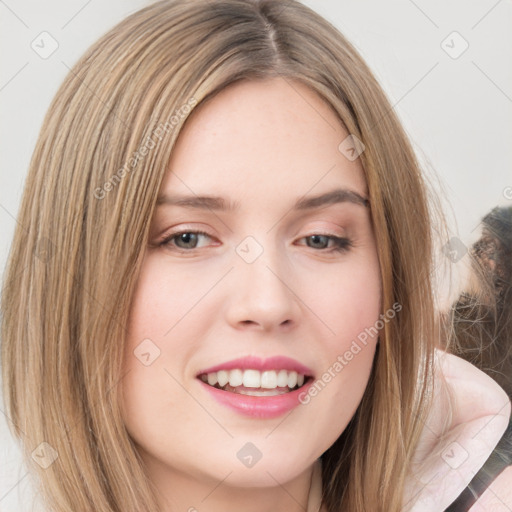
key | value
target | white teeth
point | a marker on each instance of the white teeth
(282, 379)
(251, 379)
(268, 392)
(235, 378)
(222, 378)
(268, 379)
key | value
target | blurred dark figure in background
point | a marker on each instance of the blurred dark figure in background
(482, 316)
(480, 322)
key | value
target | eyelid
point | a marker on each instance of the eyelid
(187, 229)
(341, 244)
(182, 228)
(168, 236)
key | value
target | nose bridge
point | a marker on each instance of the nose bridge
(263, 291)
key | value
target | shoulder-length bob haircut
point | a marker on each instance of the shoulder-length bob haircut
(82, 231)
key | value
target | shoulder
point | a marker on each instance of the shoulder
(469, 415)
(473, 395)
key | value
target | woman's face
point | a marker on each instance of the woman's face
(279, 283)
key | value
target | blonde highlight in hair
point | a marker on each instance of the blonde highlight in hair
(83, 228)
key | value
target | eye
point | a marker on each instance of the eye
(340, 244)
(184, 239)
(188, 241)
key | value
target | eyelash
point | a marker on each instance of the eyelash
(341, 244)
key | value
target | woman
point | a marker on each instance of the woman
(227, 374)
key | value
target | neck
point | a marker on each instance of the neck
(180, 492)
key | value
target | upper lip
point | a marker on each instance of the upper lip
(255, 363)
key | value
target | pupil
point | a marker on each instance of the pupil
(316, 238)
(185, 237)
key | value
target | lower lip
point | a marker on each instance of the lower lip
(259, 406)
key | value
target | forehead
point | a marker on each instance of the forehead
(262, 140)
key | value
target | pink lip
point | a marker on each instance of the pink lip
(259, 406)
(263, 407)
(255, 363)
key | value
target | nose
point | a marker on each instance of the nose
(262, 295)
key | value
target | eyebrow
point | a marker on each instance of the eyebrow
(304, 203)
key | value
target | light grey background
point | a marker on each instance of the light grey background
(457, 111)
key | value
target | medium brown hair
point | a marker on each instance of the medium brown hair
(83, 227)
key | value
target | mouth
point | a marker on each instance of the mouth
(257, 388)
(252, 382)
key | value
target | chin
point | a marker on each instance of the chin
(271, 473)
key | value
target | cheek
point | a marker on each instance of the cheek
(351, 310)
(157, 307)
(347, 301)
(348, 304)
(146, 386)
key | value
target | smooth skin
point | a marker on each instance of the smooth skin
(264, 144)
